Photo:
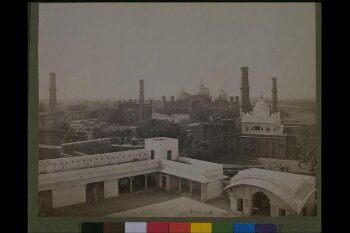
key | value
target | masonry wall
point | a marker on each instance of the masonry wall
(111, 188)
(68, 196)
(214, 189)
(86, 161)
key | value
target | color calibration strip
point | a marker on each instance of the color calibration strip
(176, 227)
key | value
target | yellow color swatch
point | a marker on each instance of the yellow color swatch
(201, 228)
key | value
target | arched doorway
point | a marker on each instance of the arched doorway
(260, 205)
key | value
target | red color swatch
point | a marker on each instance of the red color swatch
(157, 227)
(179, 227)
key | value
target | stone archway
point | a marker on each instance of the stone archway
(260, 205)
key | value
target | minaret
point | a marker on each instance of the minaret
(141, 101)
(52, 93)
(274, 95)
(245, 105)
(163, 104)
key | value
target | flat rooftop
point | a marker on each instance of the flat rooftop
(180, 207)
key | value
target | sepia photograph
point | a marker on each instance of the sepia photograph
(177, 110)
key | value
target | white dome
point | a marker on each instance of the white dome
(261, 109)
(202, 90)
(261, 104)
(222, 95)
(183, 95)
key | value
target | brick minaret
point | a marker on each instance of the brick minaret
(163, 104)
(274, 95)
(142, 101)
(52, 93)
(245, 105)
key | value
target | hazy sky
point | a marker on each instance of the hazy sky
(101, 50)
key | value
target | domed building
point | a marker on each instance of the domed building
(221, 96)
(183, 95)
(261, 120)
(201, 101)
(203, 90)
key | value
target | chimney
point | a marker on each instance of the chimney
(163, 104)
(141, 93)
(274, 95)
(172, 98)
(141, 101)
(245, 105)
(52, 92)
(237, 100)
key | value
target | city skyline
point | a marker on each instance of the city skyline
(174, 46)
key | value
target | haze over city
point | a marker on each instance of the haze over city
(100, 51)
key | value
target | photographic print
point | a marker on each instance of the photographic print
(177, 110)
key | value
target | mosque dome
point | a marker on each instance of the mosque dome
(202, 90)
(222, 95)
(183, 95)
(261, 108)
(261, 104)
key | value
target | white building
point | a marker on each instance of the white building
(261, 121)
(260, 192)
(172, 118)
(92, 178)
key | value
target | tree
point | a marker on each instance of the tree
(306, 146)
(201, 115)
(158, 128)
(77, 107)
(284, 114)
(114, 117)
(198, 150)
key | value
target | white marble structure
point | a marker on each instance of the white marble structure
(261, 121)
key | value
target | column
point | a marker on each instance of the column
(160, 180)
(203, 192)
(180, 185)
(190, 188)
(117, 186)
(146, 182)
(131, 178)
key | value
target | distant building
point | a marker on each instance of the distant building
(200, 102)
(58, 137)
(258, 133)
(49, 152)
(260, 192)
(54, 118)
(261, 121)
(133, 112)
(172, 118)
